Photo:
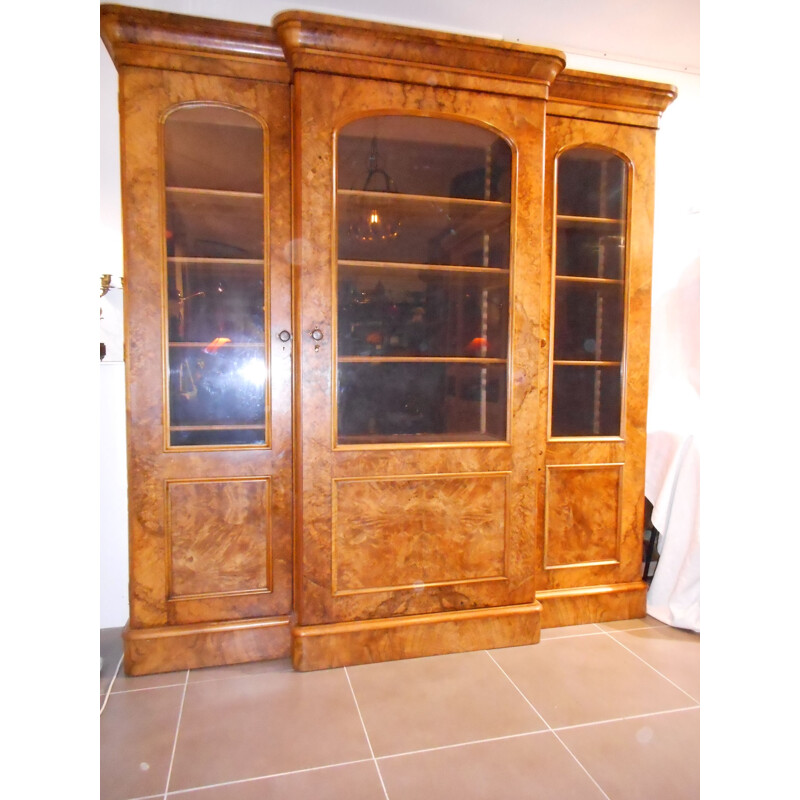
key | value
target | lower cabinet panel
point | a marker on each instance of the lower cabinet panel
(582, 516)
(219, 537)
(403, 532)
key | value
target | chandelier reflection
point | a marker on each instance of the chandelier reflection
(375, 226)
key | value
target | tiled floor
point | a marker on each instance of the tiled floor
(607, 710)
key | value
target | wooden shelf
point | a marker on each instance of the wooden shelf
(420, 360)
(421, 198)
(222, 193)
(582, 363)
(257, 345)
(352, 263)
(578, 279)
(569, 221)
(200, 261)
(216, 427)
(419, 438)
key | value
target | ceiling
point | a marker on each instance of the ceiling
(658, 33)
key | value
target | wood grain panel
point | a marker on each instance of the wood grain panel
(582, 516)
(219, 537)
(417, 531)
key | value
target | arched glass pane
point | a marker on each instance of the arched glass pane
(423, 221)
(218, 372)
(589, 313)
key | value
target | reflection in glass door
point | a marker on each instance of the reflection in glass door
(424, 229)
(218, 373)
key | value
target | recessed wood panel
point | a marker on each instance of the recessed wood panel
(403, 532)
(582, 517)
(218, 533)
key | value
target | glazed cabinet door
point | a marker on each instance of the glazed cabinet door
(208, 315)
(417, 315)
(599, 206)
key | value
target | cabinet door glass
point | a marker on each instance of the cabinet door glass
(218, 371)
(424, 230)
(589, 311)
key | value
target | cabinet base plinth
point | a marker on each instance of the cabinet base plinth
(213, 644)
(345, 644)
(592, 604)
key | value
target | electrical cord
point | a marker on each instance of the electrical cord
(110, 685)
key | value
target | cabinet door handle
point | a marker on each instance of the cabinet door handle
(316, 335)
(284, 336)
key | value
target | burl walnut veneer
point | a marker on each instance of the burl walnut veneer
(275, 525)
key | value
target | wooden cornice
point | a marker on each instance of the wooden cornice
(608, 98)
(138, 37)
(325, 43)
(306, 41)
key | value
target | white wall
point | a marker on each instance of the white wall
(113, 467)
(677, 170)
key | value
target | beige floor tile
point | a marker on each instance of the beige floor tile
(655, 757)
(570, 630)
(137, 732)
(347, 782)
(530, 766)
(260, 725)
(126, 683)
(673, 652)
(440, 700)
(629, 624)
(240, 670)
(582, 679)
(110, 653)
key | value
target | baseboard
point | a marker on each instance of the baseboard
(170, 648)
(369, 641)
(580, 605)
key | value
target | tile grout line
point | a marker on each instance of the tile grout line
(189, 790)
(624, 719)
(549, 727)
(366, 734)
(468, 743)
(658, 672)
(177, 731)
(148, 688)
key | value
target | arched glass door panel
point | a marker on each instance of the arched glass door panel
(218, 372)
(589, 311)
(423, 279)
